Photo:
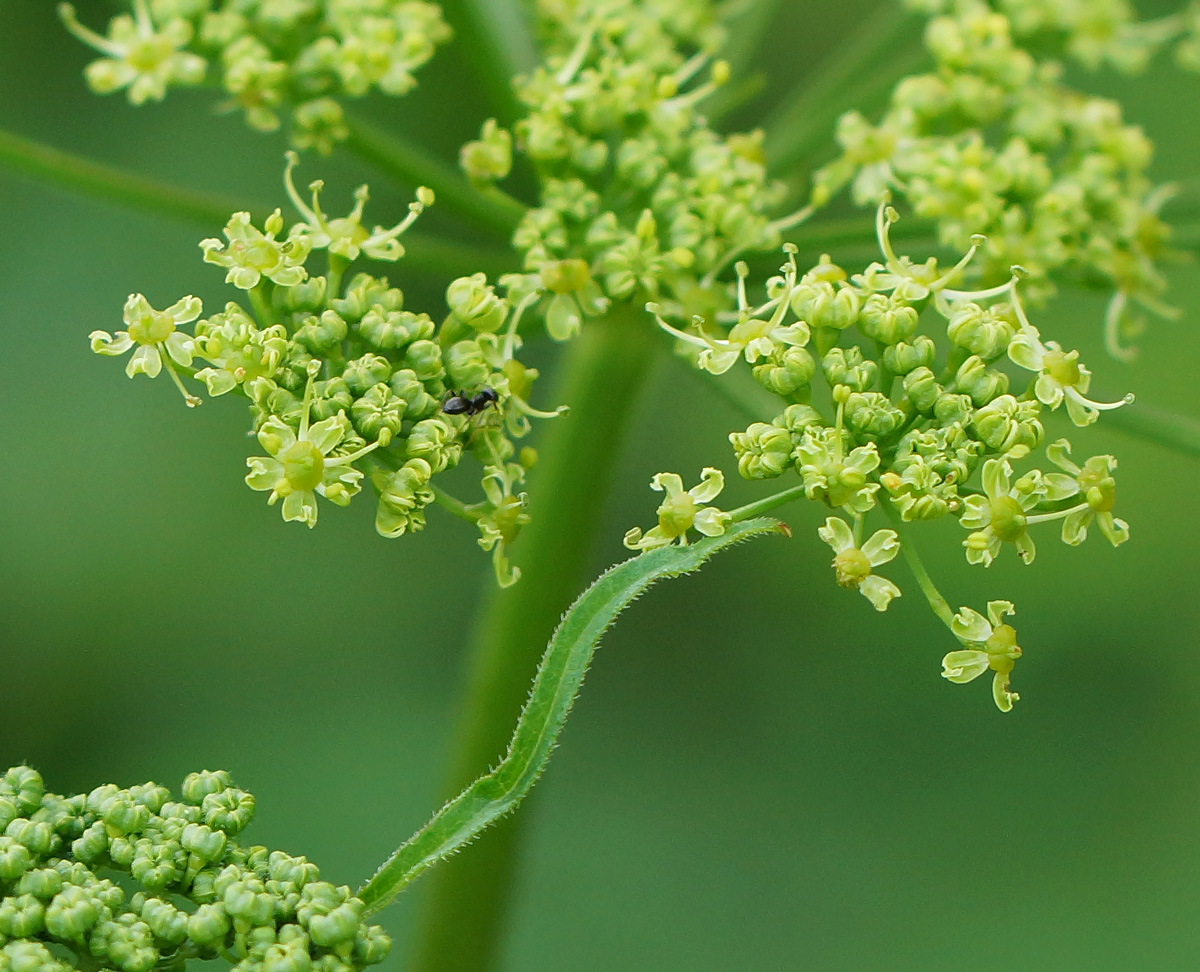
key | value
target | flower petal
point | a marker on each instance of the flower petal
(882, 547)
(971, 627)
(964, 665)
(712, 481)
(711, 522)
(879, 591)
(1000, 692)
(837, 533)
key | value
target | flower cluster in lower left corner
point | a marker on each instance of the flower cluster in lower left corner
(181, 885)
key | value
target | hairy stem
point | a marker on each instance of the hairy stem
(603, 370)
(413, 166)
(559, 678)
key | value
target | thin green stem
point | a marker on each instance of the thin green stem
(496, 43)
(453, 505)
(938, 603)
(413, 166)
(100, 181)
(603, 371)
(766, 504)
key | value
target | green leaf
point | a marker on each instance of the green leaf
(555, 686)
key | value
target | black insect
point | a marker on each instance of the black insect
(460, 404)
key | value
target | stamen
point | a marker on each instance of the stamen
(566, 74)
(976, 242)
(66, 13)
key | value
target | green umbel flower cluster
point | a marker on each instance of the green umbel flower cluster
(902, 393)
(270, 56)
(640, 198)
(131, 880)
(1096, 32)
(345, 383)
(992, 142)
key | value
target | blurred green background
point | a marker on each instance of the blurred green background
(761, 774)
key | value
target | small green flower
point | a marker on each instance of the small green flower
(300, 466)
(138, 55)
(503, 518)
(1098, 487)
(682, 511)
(253, 253)
(854, 565)
(237, 350)
(1060, 378)
(831, 475)
(1001, 513)
(346, 236)
(990, 644)
(157, 339)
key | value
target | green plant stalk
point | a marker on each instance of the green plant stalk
(555, 687)
(602, 372)
(866, 62)
(413, 166)
(497, 43)
(100, 181)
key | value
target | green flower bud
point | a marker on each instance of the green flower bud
(367, 371)
(122, 814)
(209, 925)
(91, 844)
(845, 366)
(872, 414)
(129, 944)
(379, 414)
(248, 900)
(465, 365)
(329, 398)
(229, 810)
(21, 916)
(394, 330)
(424, 358)
(407, 386)
(199, 785)
(293, 871)
(371, 945)
(37, 835)
(887, 319)
(921, 388)
(981, 331)
(822, 305)
(902, 358)
(786, 371)
(72, 913)
(472, 300)
(403, 497)
(364, 293)
(286, 958)
(330, 914)
(150, 795)
(307, 296)
(1009, 427)
(157, 865)
(436, 442)
(9, 811)
(168, 923)
(953, 409)
(797, 418)
(30, 957)
(763, 451)
(26, 786)
(121, 850)
(982, 383)
(320, 335)
(490, 158)
(42, 883)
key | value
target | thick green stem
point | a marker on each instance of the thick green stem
(603, 371)
(868, 62)
(413, 166)
(47, 164)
